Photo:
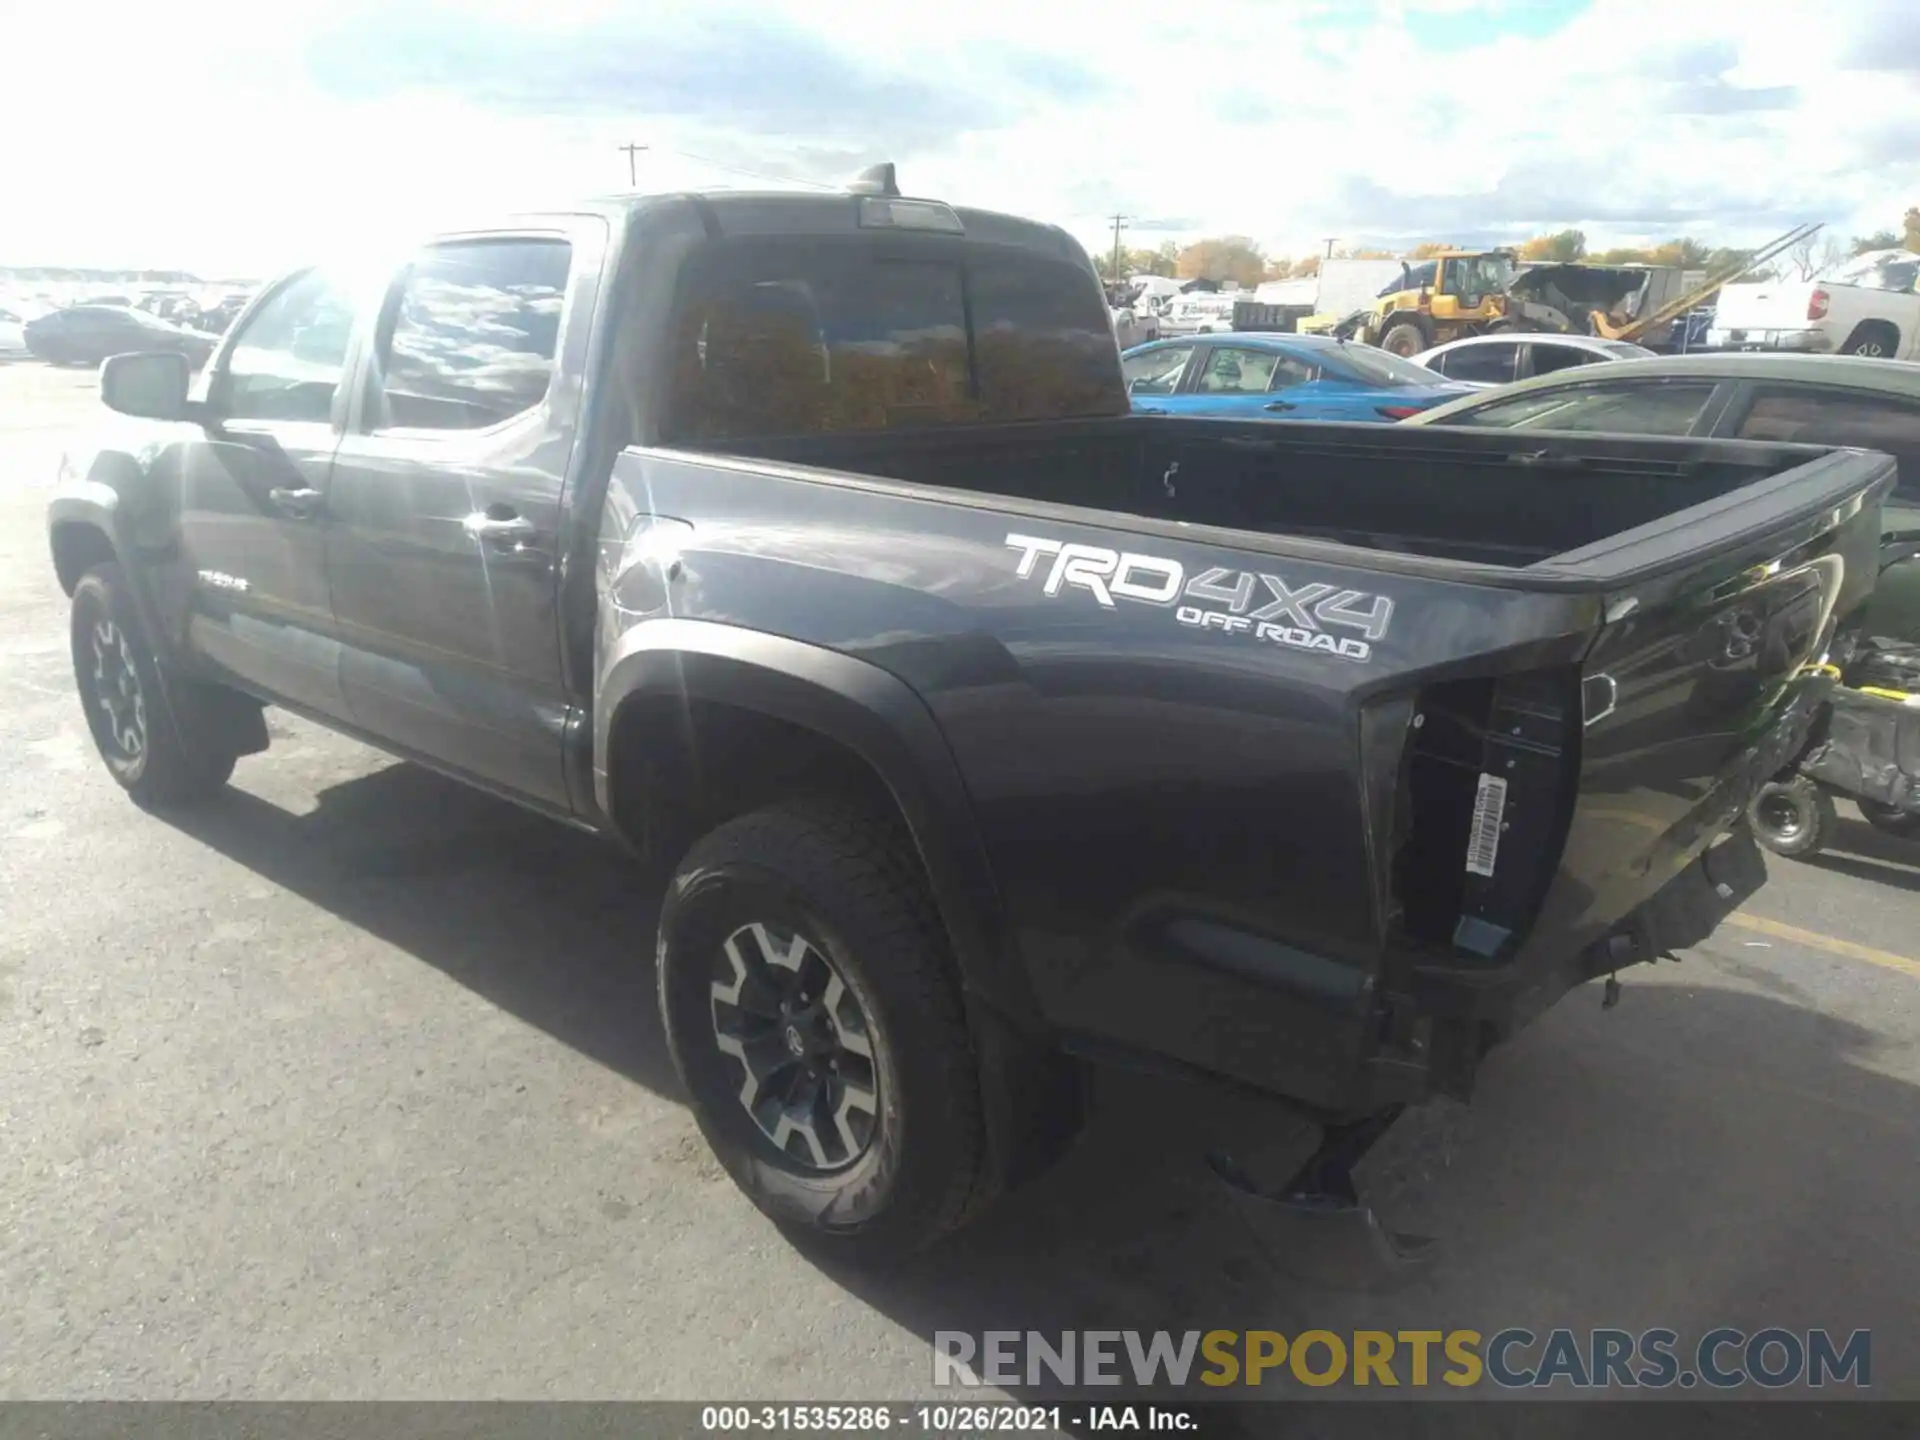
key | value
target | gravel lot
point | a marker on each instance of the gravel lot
(350, 1087)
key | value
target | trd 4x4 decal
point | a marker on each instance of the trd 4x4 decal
(1236, 602)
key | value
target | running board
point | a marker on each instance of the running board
(1316, 1227)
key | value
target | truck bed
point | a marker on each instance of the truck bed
(1482, 497)
(1243, 711)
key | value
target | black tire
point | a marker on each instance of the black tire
(1903, 823)
(851, 886)
(1405, 339)
(1873, 338)
(1793, 817)
(165, 767)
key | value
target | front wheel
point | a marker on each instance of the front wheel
(1793, 817)
(1405, 340)
(813, 1013)
(133, 726)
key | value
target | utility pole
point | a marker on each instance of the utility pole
(1118, 222)
(1330, 240)
(633, 171)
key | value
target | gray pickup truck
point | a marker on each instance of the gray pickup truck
(805, 545)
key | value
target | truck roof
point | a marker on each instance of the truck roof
(800, 212)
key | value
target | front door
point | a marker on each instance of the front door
(444, 544)
(253, 498)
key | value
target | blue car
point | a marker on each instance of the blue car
(1280, 377)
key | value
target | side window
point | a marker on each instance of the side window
(286, 363)
(1233, 371)
(1549, 358)
(1486, 364)
(472, 337)
(1158, 371)
(1826, 417)
(1287, 371)
(1672, 408)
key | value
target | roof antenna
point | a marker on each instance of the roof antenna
(875, 180)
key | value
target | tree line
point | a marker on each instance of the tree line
(1236, 257)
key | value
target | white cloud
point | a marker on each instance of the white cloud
(207, 134)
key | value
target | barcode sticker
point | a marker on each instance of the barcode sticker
(1483, 840)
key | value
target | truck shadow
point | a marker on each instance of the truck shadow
(552, 925)
(1859, 850)
(1715, 1151)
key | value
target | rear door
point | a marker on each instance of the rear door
(443, 544)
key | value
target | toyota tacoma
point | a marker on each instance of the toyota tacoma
(804, 544)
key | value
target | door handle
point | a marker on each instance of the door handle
(502, 531)
(1148, 410)
(1279, 405)
(301, 502)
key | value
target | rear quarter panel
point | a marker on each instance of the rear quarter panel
(1175, 807)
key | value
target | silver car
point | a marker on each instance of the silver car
(1504, 358)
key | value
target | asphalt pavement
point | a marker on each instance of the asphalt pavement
(349, 1086)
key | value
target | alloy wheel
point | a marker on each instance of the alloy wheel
(116, 690)
(802, 1044)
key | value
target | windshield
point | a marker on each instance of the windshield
(1625, 350)
(1880, 270)
(1379, 367)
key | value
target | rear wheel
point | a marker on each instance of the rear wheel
(1405, 340)
(1875, 338)
(1793, 816)
(133, 726)
(814, 1015)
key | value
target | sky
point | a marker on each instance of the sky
(237, 138)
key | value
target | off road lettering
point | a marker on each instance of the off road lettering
(1217, 599)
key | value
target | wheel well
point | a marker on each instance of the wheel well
(77, 548)
(1876, 327)
(678, 767)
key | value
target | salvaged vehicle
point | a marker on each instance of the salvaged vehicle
(1280, 377)
(804, 544)
(1869, 305)
(1865, 745)
(1458, 294)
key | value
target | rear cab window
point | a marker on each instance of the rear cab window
(796, 336)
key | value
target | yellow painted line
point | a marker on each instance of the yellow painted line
(1813, 939)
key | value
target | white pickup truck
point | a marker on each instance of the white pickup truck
(1867, 306)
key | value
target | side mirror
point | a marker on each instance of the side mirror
(151, 385)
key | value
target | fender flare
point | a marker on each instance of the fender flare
(871, 712)
(95, 505)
